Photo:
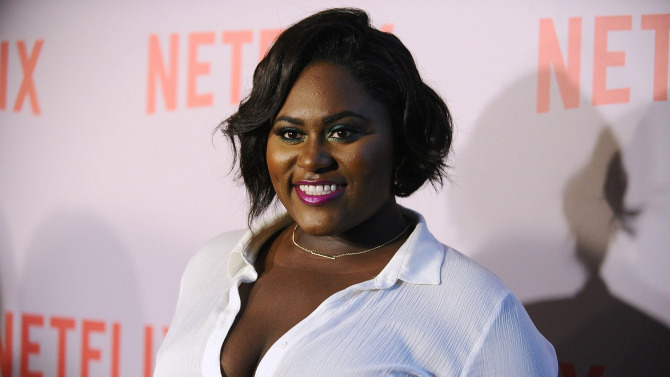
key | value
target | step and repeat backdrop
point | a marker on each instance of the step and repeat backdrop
(111, 175)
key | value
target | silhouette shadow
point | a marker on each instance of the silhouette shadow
(638, 254)
(507, 195)
(595, 329)
(537, 199)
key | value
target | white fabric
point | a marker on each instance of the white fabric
(430, 312)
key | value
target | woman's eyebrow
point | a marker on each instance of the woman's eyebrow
(343, 114)
(326, 120)
(284, 118)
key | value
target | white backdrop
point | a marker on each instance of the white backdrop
(110, 177)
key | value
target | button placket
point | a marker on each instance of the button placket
(271, 360)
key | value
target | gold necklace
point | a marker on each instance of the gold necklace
(335, 256)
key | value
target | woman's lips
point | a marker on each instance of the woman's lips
(316, 193)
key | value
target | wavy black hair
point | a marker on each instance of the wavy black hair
(422, 124)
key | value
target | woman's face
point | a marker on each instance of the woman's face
(330, 152)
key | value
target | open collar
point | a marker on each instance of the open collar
(418, 261)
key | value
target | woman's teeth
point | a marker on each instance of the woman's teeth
(319, 189)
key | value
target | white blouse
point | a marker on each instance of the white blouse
(430, 312)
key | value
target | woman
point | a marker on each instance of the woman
(346, 282)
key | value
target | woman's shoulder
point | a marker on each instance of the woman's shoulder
(212, 257)
(460, 284)
(459, 267)
(473, 282)
(507, 338)
(448, 272)
(215, 248)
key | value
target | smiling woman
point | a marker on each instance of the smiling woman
(330, 132)
(344, 282)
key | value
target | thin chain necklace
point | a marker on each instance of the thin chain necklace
(335, 256)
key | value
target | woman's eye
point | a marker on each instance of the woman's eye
(342, 133)
(289, 135)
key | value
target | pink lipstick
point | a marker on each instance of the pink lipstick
(317, 192)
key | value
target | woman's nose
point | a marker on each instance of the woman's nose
(315, 157)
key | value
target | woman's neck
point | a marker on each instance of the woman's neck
(385, 225)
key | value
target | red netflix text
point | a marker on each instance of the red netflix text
(165, 53)
(28, 57)
(16, 353)
(568, 370)
(566, 63)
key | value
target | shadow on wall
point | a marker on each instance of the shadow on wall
(594, 330)
(537, 194)
(78, 269)
(639, 251)
(507, 196)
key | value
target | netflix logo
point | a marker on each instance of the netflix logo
(28, 57)
(166, 53)
(567, 63)
(89, 346)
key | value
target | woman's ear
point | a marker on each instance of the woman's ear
(398, 165)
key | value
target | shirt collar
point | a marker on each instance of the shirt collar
(418, 261)
(244, 254)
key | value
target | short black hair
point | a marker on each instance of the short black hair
(422, 124)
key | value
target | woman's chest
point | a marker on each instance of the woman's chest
(274, 304)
